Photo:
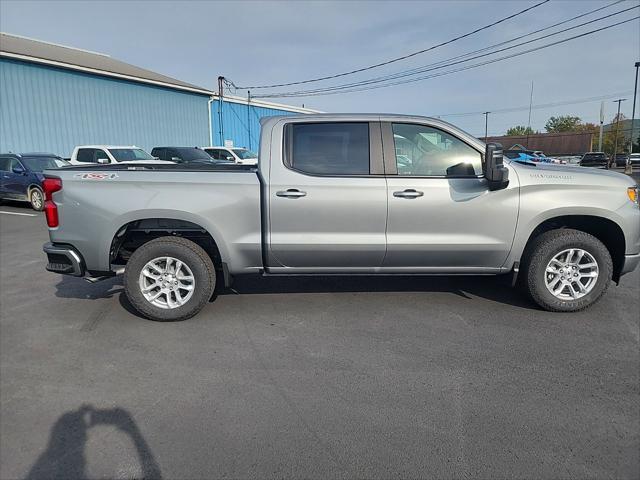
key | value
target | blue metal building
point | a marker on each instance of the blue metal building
(241, 120)
(53, 98)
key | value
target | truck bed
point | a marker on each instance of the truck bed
(97, 201)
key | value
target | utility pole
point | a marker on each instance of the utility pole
(601, 126)
(249, 117)
(615, 142)
(628, 167)
(486, 125)
(221, 101)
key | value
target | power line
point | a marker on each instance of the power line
(539, 106)
(417, 69)
(449, 61)
(437, 65)
(397, 59)
(412, 80)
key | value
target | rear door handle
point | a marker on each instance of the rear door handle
(291, 193)
(408, 193)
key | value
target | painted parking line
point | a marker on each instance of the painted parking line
(21, 214)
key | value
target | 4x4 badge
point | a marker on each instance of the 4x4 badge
(96, 176)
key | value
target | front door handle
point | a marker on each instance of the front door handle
(291, 193)
(408, 193)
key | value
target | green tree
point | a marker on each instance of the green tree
(594, 130)
(563, 123)
(520, 130)
(609, 138)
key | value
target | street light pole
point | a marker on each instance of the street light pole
(628, 167)
(486, 125)
(615, 142)
(633, 112)
(601, 126)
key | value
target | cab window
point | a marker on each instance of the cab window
(328, 148)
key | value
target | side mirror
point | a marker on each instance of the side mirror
(103, 161)
(494, 170)
(176, 159)
(18, 170)
(231, 159)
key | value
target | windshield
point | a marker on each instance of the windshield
(191, 154)
(244, 154)
(129, 154)
(38, 164)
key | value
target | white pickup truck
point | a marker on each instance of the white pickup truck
(109, 154)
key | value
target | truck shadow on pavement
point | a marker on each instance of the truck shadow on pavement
(494, 288)
(65, 458)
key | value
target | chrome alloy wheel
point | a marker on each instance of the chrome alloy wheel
(36, 199)
(166, 282)
(571, 274)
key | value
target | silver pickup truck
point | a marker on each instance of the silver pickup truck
(345, 194)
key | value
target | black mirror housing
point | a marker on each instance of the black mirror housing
(18, 170)
(494, 170)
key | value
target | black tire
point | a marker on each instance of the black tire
(187, 252)
(36, 198)
(548, 245)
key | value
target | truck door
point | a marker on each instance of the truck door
(441, 212)
(327, 197)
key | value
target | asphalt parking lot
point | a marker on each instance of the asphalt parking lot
(315, 378)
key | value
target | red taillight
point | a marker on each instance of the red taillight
(50, 186)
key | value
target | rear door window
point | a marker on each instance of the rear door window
(5, 164)
(331, 149)
(86, 155)
(215, 154)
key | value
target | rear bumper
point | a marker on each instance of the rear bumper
(631, 262)
(64, 259)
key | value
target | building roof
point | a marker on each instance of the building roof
(23, 48)
(38, 51)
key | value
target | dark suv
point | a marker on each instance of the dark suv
(619, 159)
(595, 159)
(22, 176)
(183, 155)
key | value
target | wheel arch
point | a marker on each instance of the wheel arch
(33, 186)
(135, 233)
(604, 229)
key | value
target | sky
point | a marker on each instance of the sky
(264, 42)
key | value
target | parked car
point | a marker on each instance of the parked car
(184, 155)
(22, 176)
(619, 159)
(327, 198)
(594, 159)
(543, 158)
(520, 155)
(106, 154)
(241, 156)
(634, 159)
(571, 159)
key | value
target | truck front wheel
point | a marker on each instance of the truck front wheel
(169, 279)
(567, 270)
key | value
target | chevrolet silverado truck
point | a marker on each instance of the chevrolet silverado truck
(345, 194)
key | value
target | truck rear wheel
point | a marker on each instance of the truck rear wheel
(169, 279)
(567, 270)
